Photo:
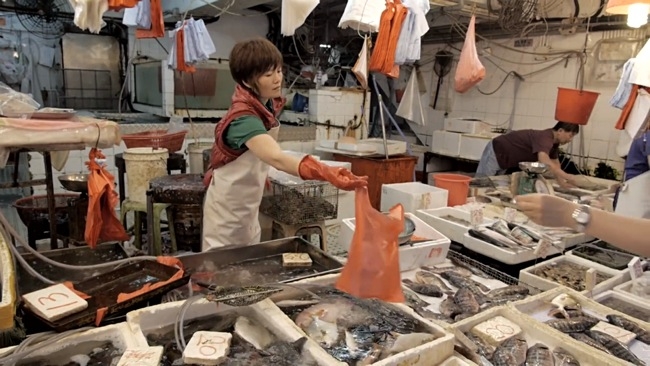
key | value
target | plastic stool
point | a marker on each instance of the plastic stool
(140, 207)
(280, 231)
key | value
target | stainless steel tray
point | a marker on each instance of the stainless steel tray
(258, 264)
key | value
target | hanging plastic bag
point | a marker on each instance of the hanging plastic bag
(470, 71)
(360, 69)
(372, 269)
(410, 107)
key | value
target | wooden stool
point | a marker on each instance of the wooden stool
(140, 207)
(280, 230)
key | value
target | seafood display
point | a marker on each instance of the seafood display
(607, 257)
(252, 344)
(456, 220)
(512, 237)
(88, 354)
(569, 274)
(453, 291)
(626, 308)
(355, 331)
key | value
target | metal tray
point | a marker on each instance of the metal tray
(104, 289)
(260, 263)
(103, 253)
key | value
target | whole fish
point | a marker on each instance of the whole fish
(562, 303)
(508, 291)
(446, 267)
(460, 282)
(475, 271)
(512, 352)
(413, 300)
(432, 279)
(449, 308)
(284, 353)
(425, 289)
(466, 301)
(484, 348)
(564, 358)
(240, 295)
(589, 341)
(490, 303)
(615, 347)
(539, 355)
(641, 334)
(573, 325)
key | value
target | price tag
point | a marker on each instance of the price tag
(542, 249)
(636, 269)
(476, 216)
(435, 252)
(496, 330)
(296, 260)
(509, 214)
(54, 302)
(149, 356)
(620, 334)
(207, 348)
(590, 280)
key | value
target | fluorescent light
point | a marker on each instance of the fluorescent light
(637, 15)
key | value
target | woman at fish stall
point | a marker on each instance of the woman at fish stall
(245, 146)
(628, 233)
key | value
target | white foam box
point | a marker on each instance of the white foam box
(427, 253)
(148, 320)
(395, 147)
(466, 125)
(626, 271)
(535, 332)
(450, 229)
(626, 289)
(413, 196)
(446, 143)
(432, 353)
(638, 304)
(535, 309)
(502, 255)
(84, 342)
(8, 296)
(472, 146)
(527, 275)
(457, 360)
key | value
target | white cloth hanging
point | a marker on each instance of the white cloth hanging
(198, 45)
(640, 73)
(362, 15)
(624, 88)
(633, 199)
(409, 44)
(360, 69)
(410, 107)
(138, 16)
(294, 13)
(634, 123)
(88, 14)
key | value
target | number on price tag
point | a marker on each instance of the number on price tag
(149, 356)
(54, 302)
(496, 330)
(296, 260)
(476, 216)
(207, 348)
(509, 214)
(636, 269)
(542, 249)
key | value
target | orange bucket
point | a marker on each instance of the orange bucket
(574, 106)
(456, 185)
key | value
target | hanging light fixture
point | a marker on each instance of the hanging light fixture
(636, 10)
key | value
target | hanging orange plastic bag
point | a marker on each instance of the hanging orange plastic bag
(470, 71)
(372, 269)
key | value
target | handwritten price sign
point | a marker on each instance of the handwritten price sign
(149, 356)
(476, 217)
(509, 214)
(499, 329)
(54, 302)
(207, 347)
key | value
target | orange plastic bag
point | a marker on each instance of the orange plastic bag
(470, 71)
(101, 220)
(372, 269)
(157, 23)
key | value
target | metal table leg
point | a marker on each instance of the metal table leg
(150, 234)
(51, 204)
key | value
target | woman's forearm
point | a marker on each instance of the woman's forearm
(628, 233)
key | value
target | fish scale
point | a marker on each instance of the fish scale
(539, 355)
(512, 352)
(466, 302)
(615, 347)
(589, 341)
(564, 358)
(573, 325)
(423, 288)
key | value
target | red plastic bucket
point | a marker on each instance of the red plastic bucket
(574, 106)
(457, 185)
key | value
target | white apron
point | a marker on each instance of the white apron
(633, 199)
(232, 202)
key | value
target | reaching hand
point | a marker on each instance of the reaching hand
(341, 178)
(546, 210)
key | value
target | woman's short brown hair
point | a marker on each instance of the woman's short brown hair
(252, 58)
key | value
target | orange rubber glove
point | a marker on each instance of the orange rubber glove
(311, 169)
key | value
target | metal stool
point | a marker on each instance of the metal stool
(280, 230)
(155, 246)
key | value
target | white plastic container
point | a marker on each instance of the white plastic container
(147, 320)
(537, 307)
(626, 289)
(427, 253)
(527, 275)
(142, 165)
(472, 146)
(413, 196)
(432, 353)
(466, 125)
(502, 255)
(450, 229)
(634, 302)
(195, 155)
(535, 332)
(446, 143)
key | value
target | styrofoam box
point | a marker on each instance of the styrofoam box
(148, 320)
(472, 146)
(395, 147)
(633, 301)
(626, 289)
(413, 196)
(502, 255)
(535, 332)
(446, 143)
(526, 275)
(457, 360)
(537, 307)
(570, 253)
(432, 353)
(450, 229)
(118, 334)
(413, 256)
(466, 125)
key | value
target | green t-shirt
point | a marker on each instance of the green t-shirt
(243, 129)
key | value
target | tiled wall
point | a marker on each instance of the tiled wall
(535, 100)
(339, 107)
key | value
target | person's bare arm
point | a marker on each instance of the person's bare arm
(555, 167)
(269, 151)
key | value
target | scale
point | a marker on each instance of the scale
(530, 179)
